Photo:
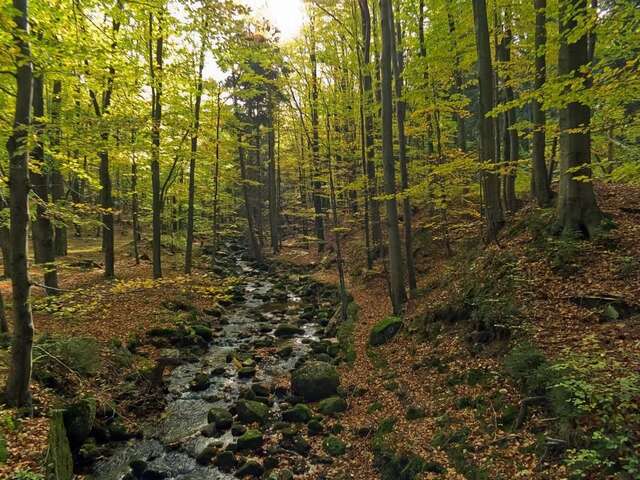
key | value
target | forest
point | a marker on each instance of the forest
(399, 240)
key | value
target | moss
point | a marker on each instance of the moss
(333, 446)
(59, 459)
(384, 330)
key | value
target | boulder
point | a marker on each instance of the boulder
(78, 420)
(298, 414)
(384, 330)
(332, 405)
(315, 381)
(250, 411)
(250, 440)
(286, 330)
(250, 469)
(225, 461)
(221, 417)
(333, 446)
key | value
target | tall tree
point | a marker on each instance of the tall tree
(156, 55)
(539, 180)
(17, 391)
(577, 212)
(42, 228)
(490, 179)
(396, 275)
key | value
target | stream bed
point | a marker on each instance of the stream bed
(224, 411)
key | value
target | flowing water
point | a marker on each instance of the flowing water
(172, 442)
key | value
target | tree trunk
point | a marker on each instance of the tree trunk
(216, 171)
(336, 228)
(188, 255)
(315, 147)
(577, 210)
(17, 389)
(57, 179)
(396, 276)
(254, 245)
(274, 223)
(398, 68)
(540, 181)
(156, 117)
(106, 202)
(42, 227)
(490, 179)
(510, 134)
(4, 326)
(367, 87)
(134, 200)
(461, 134)
(5, 240)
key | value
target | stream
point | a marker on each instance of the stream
(274, 323)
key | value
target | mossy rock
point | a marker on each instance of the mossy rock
(286, 330)
(203, 332)
(59, 459)
(384, 330)
(221, 417)
(4, 453)
(250, 440)
(78, 420)
(250, 469)
(315, 381)
(298, 414)
(414, 412)
(332, 405)
(250, 411)
(333, 446)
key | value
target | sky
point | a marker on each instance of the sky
(287, 15)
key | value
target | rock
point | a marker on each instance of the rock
(211, 431)
(250, 440)
(332, 405)
(270, 463)
(251, 411)
(118, 432)
(333, 446)
(284, 475)
(225, 461)
(286, 330)
(384, 330)
(151, 474)
(203, 332)
(315, 381)
(298, 414)
(59, 460)
(238, 429)
(138, 467)
(285, 351)
(250, 469)
(293, 441)
(260, 390)
(220, 417)
(314, 427)
(200, 382)
(207, 454)
(247, 372)
(78, 420)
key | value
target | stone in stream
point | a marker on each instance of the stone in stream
(250, 440)
(315, 381)
(250, 411)
(200, 382)
(225, 461)
(293, 441)
(250, 469)
(298, 414)
(260, 389)
(221, 417)
(247, 372)
(238, 429)
(211, 431)
(207, 454)
(285, 350)
(286, 330)
(203, 332)
(384, 330)
(332, 405)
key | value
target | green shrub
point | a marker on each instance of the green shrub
(55, 355)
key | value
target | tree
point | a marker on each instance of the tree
(17, 389)
(539, 180)
(490, 180)
(396, 275)
(577, 211)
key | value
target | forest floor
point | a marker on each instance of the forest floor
(439, 393)
(104, 318)
(555, 295)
